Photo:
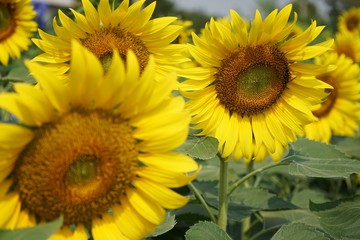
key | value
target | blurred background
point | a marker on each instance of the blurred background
(325, 12)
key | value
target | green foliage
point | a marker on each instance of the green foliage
(206, 230)
(299, 231)
(200, 147)
(39, 232)
(315, 159)
(340, 218)
(168, 223)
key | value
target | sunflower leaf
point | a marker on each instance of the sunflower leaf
(339, 218)
(168, 224)
(299, 231)
(348, 145)
(39, 232)
(200, 147)
(316, 159)
(206, 230)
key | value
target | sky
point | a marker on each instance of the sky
(245, 8)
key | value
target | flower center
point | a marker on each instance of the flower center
(82, 171)
(78, 166)
(347, 50)
(328, 104)
(352, 23)
(252, 79)
(7, 25)
(103, 42)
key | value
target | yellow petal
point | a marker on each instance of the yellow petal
(52, 86)
(26, 220)
(8, 206)
(14, 136)
(170, 160)
(132, 224)
(144, 205)
(105, 228)
(160, 194)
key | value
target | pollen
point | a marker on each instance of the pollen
(78, 166)
(7, 24)
(104, 41)
(252, 79)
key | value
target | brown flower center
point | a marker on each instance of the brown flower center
(328, 104)
(7, 23)
(347, 50)
(352, 23)
(252, 79)
(103, 42)
(78, 166)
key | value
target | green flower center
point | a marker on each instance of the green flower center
(82, 171)
(78, 166)
(7, 25)
(252, 79)
(256, 80)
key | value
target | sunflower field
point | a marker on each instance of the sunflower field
(128, 120)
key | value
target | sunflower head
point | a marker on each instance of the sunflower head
(339, 113)
(349, 21)
(97, 151)
(103, 31)
(348, 44)
(16, 27)
(252, 91)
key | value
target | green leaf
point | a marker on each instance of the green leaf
(339, 218)
(200, 147)
(316, 159)
(245, 201)
(39, 232)
(299, 231)
(168, 224)
(304, 196)
(260, 199)
(273, 219)
(19, 74)
(348, 145)
(206, 230)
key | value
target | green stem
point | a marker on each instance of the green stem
(223, 196)
(253, 173)
(202, 201)
(246, 223)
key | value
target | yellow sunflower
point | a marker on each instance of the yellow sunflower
(103, 30)
(97, 151)
(339, 114)
(16, 27)
(348, 44)
(252, 91)
(349, 21)
(187, 30)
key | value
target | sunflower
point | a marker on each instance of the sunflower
(349, 21)
(187, 30)
(103, 30)
(252, 91)
(348, 44)
(98, 158)
(16, 27)
(339, 114)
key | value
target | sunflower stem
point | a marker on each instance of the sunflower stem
(246, 223)
(223, 196)
(199, 197)
(242, 180)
